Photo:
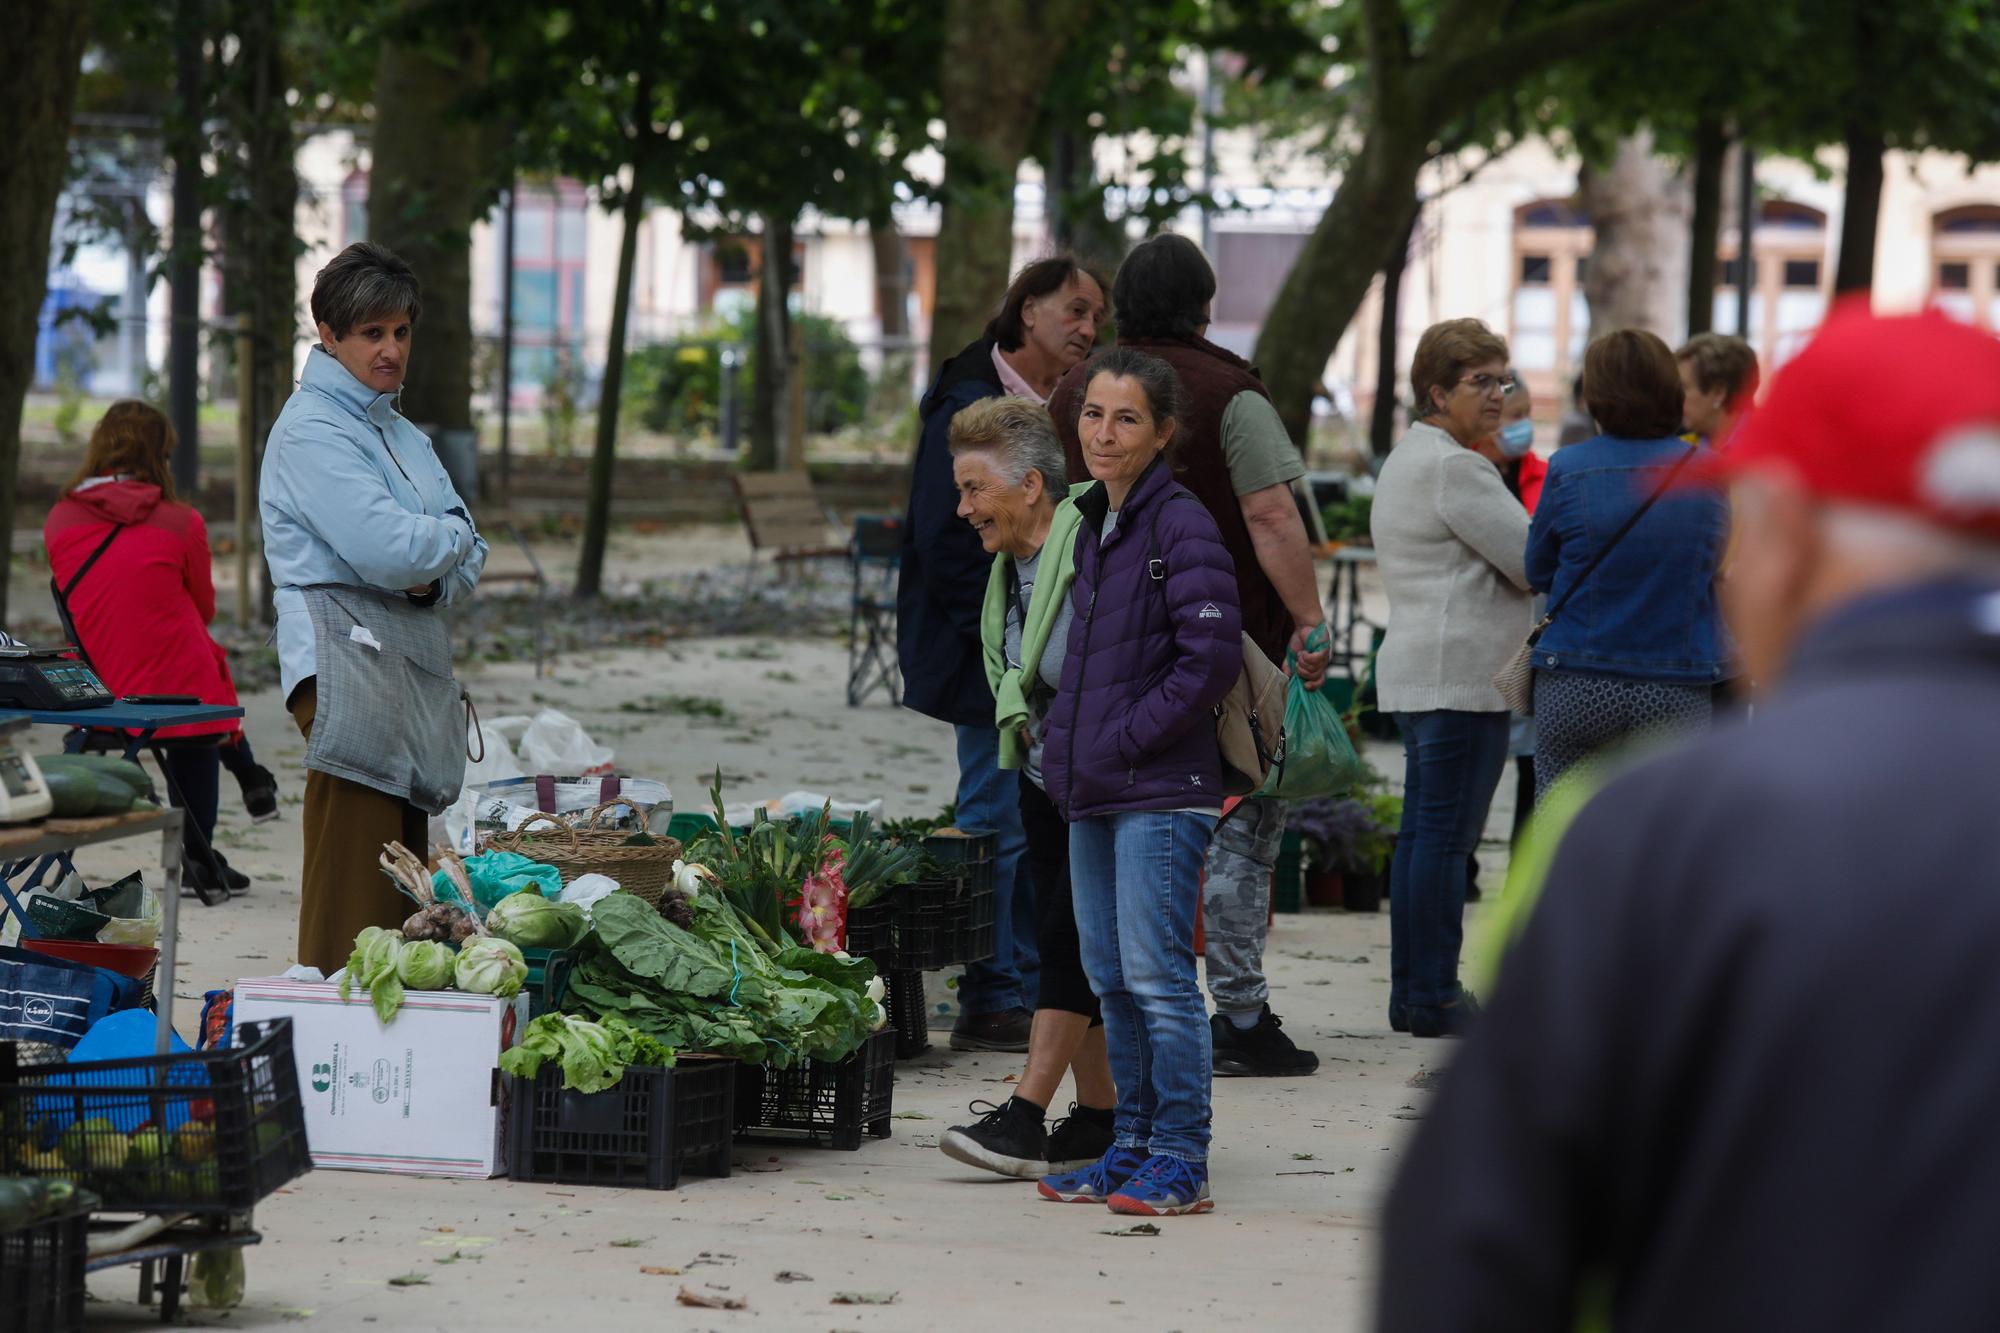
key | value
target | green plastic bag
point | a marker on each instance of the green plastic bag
(497, 874)
(1319, 758)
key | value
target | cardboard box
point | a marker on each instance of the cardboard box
(420, 1095)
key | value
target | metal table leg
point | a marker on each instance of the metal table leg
(170, 926)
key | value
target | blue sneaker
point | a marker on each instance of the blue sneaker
(1164, 1187)
(1094, 1183)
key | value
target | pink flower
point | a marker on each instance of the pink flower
(823, 907)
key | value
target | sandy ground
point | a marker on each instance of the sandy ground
(1299, 1165)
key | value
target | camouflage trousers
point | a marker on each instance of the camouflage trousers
(1236, 902)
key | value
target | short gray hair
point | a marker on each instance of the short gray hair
(1021, 437)
(361, 283)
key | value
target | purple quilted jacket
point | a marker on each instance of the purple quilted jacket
(1133, 726)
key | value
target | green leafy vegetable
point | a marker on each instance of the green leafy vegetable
(425, 965)
(594, 1056)
(534, 922)
(490, 966)
(374, 962)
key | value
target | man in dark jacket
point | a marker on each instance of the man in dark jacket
(1047, 323)
(1232, 452)
(1737, 1072)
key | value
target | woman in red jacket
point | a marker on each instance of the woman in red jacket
(132, 564)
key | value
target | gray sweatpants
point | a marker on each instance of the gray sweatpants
(1236, 903)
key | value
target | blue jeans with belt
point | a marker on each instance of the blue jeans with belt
(1136, 880)
(1451, 763)
(989, 798)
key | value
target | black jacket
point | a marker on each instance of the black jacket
(942, 586)
(1742, 1068)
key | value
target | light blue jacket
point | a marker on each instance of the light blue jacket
(351, 493)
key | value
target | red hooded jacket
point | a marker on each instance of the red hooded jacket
(142, 611)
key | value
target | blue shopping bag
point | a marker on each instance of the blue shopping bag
(53, 1000)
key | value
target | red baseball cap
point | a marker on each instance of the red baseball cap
(1898, 411)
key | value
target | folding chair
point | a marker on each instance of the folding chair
(874, 554)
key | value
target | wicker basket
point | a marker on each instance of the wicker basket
(576, 846)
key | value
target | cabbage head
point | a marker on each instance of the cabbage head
(425, 965)
(373, 964)
(534, 922)
(490, 966)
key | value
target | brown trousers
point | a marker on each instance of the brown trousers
(343, 889)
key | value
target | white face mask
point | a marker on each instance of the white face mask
(1517, 437)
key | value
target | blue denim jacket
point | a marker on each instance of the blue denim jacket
(1649, 611)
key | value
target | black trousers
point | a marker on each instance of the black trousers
(1063, 986)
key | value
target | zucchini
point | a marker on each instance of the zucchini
(73, 790)
(104, 765)
(113, 797)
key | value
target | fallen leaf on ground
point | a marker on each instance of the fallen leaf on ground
(655, 1271)
(629, 1242)
(710, 1301)
(1136, 1229)
(840, 1198)
(908, 1115)
(864, 1298)
(409, 1280)
(790, 1276)
(1296, 1157)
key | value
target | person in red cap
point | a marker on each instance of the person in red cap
(1737, 1069)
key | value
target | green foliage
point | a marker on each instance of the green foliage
(676, 387)
(1349, 520)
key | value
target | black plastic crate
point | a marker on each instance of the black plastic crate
(909, 1013)
(640, 1134)
(943, 922)
(197, 1132)
(871, 932)
(832, 1105)
(976, 853)
(42, 1274)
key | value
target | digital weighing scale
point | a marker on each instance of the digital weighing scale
(23, 793)
(43, 678)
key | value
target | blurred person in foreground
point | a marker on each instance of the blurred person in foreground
(1010, 468)
(1047, 322)
(1736, 1072)
(1449, 537)
(1636, 645)
(1719, 379)
(1232, 452)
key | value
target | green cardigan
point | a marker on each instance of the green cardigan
(1055, 574)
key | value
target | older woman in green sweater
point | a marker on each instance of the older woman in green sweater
(1009, 468)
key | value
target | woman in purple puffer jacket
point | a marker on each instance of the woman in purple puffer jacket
(1129, 757)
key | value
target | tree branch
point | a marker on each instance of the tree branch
(1463, 80)
(1388, 38)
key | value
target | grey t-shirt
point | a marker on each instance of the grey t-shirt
(1048, 671)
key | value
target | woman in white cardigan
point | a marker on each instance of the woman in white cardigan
(1450, 538)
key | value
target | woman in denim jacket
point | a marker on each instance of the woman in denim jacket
(1638, 651)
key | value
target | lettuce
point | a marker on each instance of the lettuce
(534, 922)
(594, 1056)
(489, 966)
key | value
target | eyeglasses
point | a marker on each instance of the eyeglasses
(1485, 384)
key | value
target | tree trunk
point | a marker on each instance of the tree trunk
(998, 56)
(1340, 259)
(1705, 230)
(424, 192)
(1388, 355)
(184, 254)
(892, 275)
(1860, 210)
(1639, 209)
(1076, 205)
(770, 381)
(271, 160)
(36, 100)
(597, 508)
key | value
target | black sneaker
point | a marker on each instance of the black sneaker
(1006, 1139)
(1445, 1020)
(1004, 1030)
(1263, 1051)
(1079, 1138)
(260, 793)
(1399, 1017)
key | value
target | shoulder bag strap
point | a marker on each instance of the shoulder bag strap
(1619, 536)
(62, 593)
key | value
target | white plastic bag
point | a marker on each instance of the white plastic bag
(587, 889)
(142, 930)
(556, 743)
(499, 761)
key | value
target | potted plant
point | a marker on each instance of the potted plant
(1367, 876)
(1348, 842)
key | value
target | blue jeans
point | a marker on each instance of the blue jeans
(991, 799)
(1452, 761)
(1136, 881)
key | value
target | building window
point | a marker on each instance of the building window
(1801, 273)
(550, 228)
(1536, 270)
(1955, 277)
(732, 263)
(1549, 319)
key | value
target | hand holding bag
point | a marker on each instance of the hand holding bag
(1516, 680)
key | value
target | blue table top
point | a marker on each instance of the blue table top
(128, 717)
